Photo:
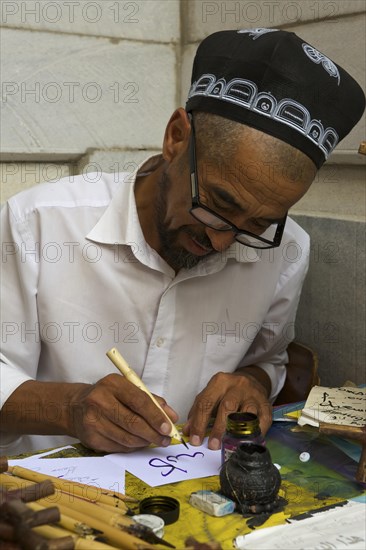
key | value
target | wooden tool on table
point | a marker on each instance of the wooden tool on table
(78, 514)
(120, 363)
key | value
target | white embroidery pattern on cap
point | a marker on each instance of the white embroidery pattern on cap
(244, 93)
(317, 57)
(256, 33)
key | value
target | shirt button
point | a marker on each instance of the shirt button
(160, 342)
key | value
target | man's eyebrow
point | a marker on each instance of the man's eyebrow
(271, 220)
(227, 197)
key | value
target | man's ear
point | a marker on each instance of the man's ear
(176, 137)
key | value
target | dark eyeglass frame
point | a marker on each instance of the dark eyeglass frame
(196, 203)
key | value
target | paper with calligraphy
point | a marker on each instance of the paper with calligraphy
(335, 529)
(159, 466)
(96, 471)
(345, 406)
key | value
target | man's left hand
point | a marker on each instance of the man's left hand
(224, 394)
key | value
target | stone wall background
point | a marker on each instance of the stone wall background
(89, 86)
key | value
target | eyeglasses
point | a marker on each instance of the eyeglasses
(270, 238)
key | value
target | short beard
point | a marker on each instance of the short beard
(176, 256)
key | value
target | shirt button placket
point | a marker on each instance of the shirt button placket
(156, 371)
(159, 342)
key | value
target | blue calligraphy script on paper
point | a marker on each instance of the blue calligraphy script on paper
(161, 463)
(93, 471)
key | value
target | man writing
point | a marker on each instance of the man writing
(192, 270)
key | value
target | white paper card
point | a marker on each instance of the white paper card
(159, 466)
(96, 471)
(336, 529)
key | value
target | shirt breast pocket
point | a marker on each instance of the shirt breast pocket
(223, 353)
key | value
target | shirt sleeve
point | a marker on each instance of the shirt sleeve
(268, 349)
(20, 328)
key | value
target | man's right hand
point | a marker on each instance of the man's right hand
(114, 415)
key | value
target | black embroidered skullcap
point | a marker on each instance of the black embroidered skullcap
(276, 82)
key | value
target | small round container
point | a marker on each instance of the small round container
(155, 523)
(167, 508)
(241, 428)
(304, 457)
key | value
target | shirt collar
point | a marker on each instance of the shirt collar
(236, 252)
(120, 224)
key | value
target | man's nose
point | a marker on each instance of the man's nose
(220, 240)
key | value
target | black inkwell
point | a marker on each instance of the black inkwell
(251, 479)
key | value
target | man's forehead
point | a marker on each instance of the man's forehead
(256, 177)
(255, 154)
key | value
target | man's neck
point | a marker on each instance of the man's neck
(146, 192)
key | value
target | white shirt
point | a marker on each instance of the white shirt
(79, 278)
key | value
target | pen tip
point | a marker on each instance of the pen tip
(184, 443)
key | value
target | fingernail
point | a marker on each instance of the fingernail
(165, 428)
(195, 440)
(215, 444)
(165, 442)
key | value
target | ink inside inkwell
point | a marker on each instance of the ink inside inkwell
(251, 479)
(241, 427)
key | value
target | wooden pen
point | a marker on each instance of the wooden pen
(123, 367)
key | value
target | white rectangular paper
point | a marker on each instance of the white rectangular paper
(96, 471)
(336, 529)
(159, 466)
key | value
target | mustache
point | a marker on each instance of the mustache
(202, 239)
